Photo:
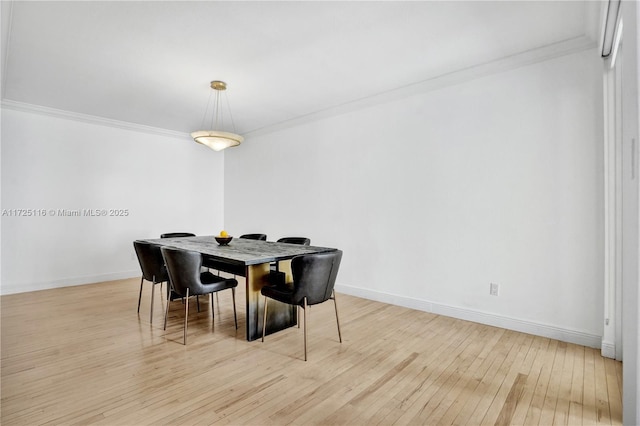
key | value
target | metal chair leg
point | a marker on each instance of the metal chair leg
(186, 316)
(140, 295)
(305, 327)
(213, 316)
(153, 292)
(166, 312)
(264, 320)
(235, 316)
(335, 304)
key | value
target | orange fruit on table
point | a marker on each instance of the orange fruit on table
(224, 234)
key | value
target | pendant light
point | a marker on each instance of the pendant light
(217, 139)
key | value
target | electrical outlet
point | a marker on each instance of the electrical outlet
(494, 289)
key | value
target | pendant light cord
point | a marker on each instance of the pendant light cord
(217, 118)
(230, 115)
(216, 112)
(204, 118)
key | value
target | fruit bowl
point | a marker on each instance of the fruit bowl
(223, 241)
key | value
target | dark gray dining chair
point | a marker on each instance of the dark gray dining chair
(180, 235)
(314, 278)
(303, 241)
(153, 269)
(177, 234)
(186, 279)
(260, 237)
(276, 276)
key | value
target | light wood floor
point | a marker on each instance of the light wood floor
(82, 355)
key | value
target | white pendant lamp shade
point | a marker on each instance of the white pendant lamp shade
(217, 139)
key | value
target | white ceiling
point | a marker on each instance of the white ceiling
(150, 63)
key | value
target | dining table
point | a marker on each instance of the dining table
(251, 259)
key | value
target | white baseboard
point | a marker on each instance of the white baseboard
(537, 329)
(608, 349)
(66, 282)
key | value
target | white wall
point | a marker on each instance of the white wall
(166, 183)
(435, 196)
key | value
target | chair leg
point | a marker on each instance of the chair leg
(235, 316)
(166, 312)
(298, 314)
(186, 316)
(264, 319)
(217, 299)
(212, 313)
(198, 302)
(140, 295)
(153, 292)
(305, 327)
(335, 304)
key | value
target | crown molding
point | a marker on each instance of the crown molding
(90, 119)
(540, 54)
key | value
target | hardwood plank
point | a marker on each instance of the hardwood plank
(474, 394)
(551, 397)
(613, 389)
(542, 384)
(464, 400)
(577, 386)
(491, 384)
(603, 412)
(561, 415)
(536, 358)
(523, 348)
(589, 415)
(509, 407)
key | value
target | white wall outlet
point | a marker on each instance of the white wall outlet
(494, 289)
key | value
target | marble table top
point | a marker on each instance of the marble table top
(239, 250)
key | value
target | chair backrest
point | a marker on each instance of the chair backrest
(314, 276)
(177, 234)
(303, 241)
(261, 237)
(183, 267)
(151, 263)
